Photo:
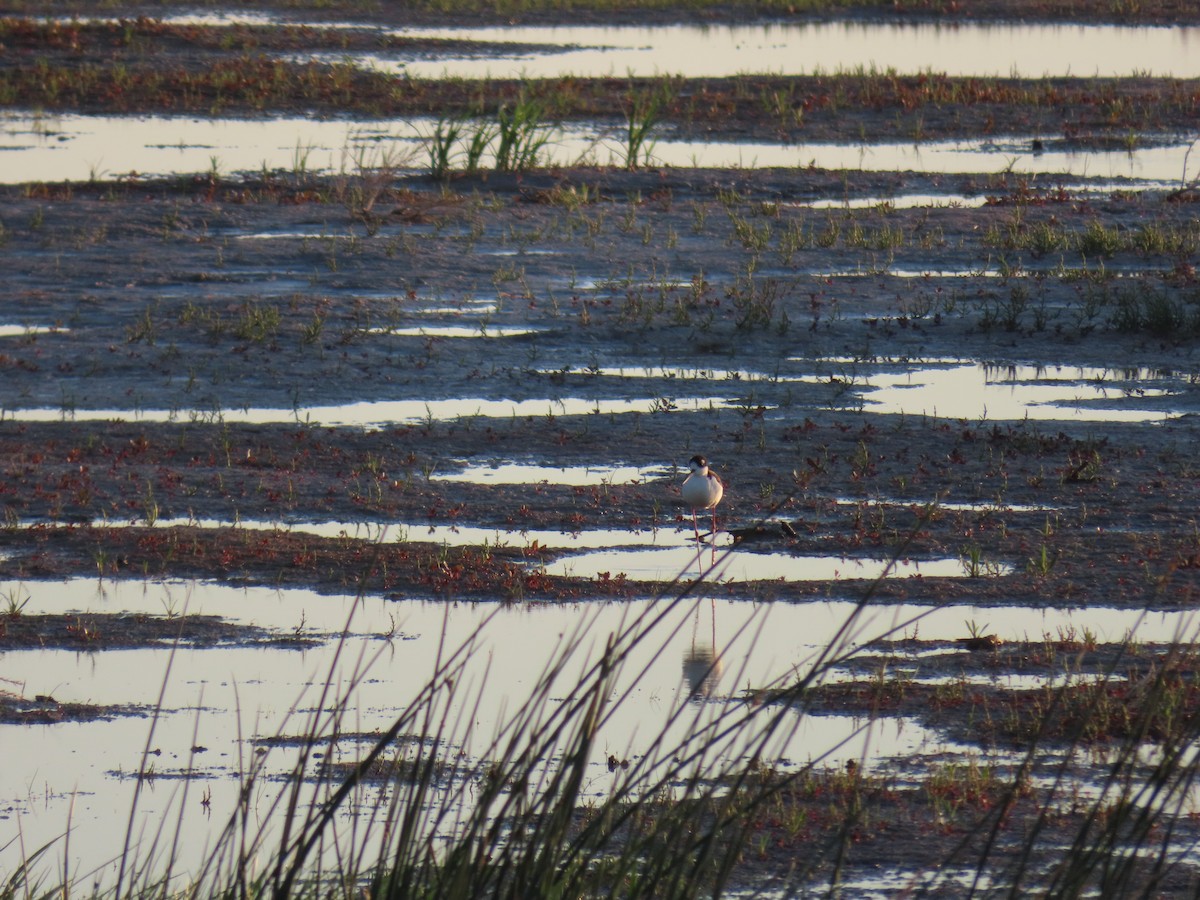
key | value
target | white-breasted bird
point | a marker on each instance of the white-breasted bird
(702, 490)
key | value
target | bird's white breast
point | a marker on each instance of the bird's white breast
(702, 491)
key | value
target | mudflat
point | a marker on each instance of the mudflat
(997, 369)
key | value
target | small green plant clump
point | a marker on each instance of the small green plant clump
(513, 140)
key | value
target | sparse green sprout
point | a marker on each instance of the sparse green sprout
(14, 601)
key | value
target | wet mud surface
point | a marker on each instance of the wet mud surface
(159, 299)
(201, 349)
(252, 302)
(162, 47)
(905, 834)
(103, 631)
(1077, 692)
(16, 709)
(145, 65)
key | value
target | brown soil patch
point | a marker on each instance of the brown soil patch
(45, 710)
(872, 832)
(1109, 695)
(106, 631)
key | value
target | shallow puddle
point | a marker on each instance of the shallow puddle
(30, 330)
(674, 373)
(968, 157)
(981, 392)
(972, 506)
(482, 330)
(468, 307)
(959, 48)
(450, 535)
(80, 148)
(367, 413)
(39, 147)
(810, 48)
(668, 564)
(963, 389)
(218, 701)
(901, 201)
(957, 388)
(952, 390)
(221, 18)
(665, 538)
(807, 625)
(314, 234)
(965, 201)
(519, 473)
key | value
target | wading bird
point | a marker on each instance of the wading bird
(702, 490)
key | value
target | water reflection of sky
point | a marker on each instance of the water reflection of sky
(955, 48)
(521, 473)
(78, 148)
(375, 414)
(1007, 393)
(807, 48)
(55, 775)
(665, 564)
(218, 698)
(953, 389)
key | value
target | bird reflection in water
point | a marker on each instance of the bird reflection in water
(702, 663)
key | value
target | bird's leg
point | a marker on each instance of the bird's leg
(699, 546)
